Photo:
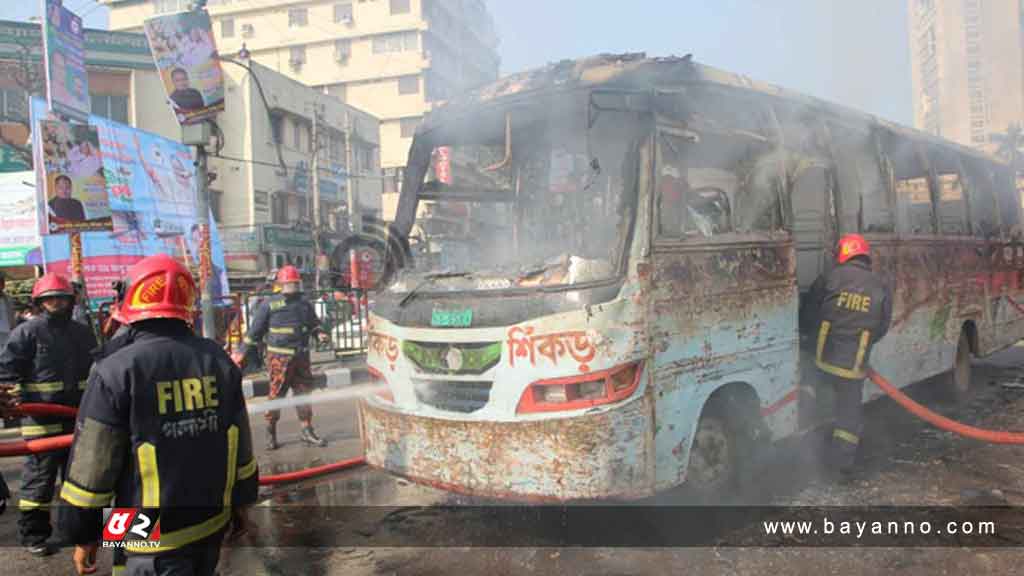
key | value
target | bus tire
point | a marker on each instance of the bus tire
(957, 382)
(720, 448)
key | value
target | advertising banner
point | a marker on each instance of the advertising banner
(75, 184)
(186, 56)
(67, 84)
(151, 189)
(19, 226)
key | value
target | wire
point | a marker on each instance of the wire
(327, 171)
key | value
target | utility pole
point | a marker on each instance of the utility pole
(315, 164)
(199, 135)
(352, 197)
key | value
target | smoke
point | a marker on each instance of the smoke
(320, 398)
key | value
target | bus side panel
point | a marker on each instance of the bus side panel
(721, 315)
(939, 285)
(1008, 289)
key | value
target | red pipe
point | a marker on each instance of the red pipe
(46, 410)
(23, 447)
(26, 447)
(991, 436)
(311, 472)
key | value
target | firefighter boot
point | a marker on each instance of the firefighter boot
(310, 437)
(272, 436)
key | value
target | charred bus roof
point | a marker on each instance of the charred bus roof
(636, 72)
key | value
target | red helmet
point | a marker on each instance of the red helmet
(288, 274)
(852, 245)
(52, 284)
(158, 287)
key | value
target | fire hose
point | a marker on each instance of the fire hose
(940, 421)
(53, 443)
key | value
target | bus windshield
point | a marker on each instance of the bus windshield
(525, 198)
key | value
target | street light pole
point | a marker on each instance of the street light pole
(198, 135)
(316, 195)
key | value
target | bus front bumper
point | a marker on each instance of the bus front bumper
(597, 455)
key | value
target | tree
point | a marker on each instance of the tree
(28, 75)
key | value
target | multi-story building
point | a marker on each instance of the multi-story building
(392, 58)
(264, 188)
(967, 61)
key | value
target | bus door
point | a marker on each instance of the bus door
(813, 225)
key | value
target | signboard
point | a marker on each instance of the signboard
(67, 85)
(242, 249)
(19, 226)
(151, 191)
(186, 56)
(443, 164)
(275, 238)
(10, 160)
(75, 185)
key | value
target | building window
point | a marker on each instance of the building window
(408, 126)
(298, 56)
(277, 128)
(112, 107)
(279, 209)
(248, 31)
(297, 136)
(14, 102)
(409, 85)
(298, 17)
(343, 13)
(400, 6)
(227, 28)
(163, 6)
(342, 50)
(396, 42)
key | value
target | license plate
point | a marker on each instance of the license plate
(452, 318)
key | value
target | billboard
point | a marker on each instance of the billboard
(73, 177)
(19, 227)
(67, 85)
(189, 66)
(151, 190)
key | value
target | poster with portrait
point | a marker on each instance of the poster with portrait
(74, 181)
(151, 188)
(67, 84)
(186, 56)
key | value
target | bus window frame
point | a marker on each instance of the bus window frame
(930, 150)
(916, 148)
(974, 166)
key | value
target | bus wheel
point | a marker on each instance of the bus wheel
(958, 380)
(713, 457)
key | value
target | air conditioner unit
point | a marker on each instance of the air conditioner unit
(296, 63)
(247, 30)
(341, 56)
(346, 20)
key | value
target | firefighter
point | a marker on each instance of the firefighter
(163, 428)
(847, 311)
(6, 405)
(48, 358)
(286, 320)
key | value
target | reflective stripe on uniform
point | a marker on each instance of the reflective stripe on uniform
(229, 485)
(30, 430)
(178, 538)
(845, 436)
(117, 570)
(283, 330)
(82, 383)
(43, 387)
(857, 372)
(248, 470)
(150, 475)
(24, 504)
(249, 341)
(285, 351)
(84, 498)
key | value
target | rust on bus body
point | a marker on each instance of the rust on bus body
(603, 454)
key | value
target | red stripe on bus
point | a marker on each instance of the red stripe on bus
(775, 407)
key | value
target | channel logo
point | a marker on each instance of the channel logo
(131, 528)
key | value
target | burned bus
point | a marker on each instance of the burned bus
(613, 250)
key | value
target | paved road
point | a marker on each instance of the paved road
(906, 462)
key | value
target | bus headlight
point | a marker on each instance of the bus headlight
(585, 391)
(383, 392)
